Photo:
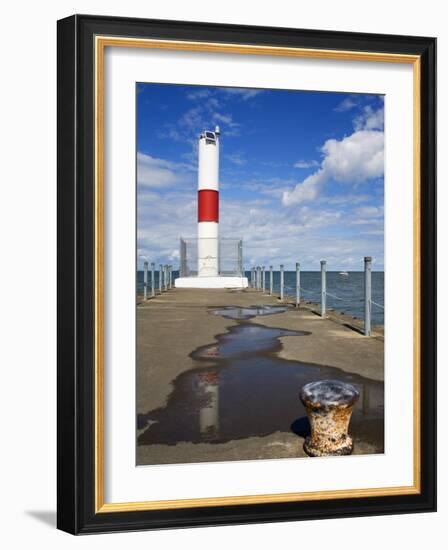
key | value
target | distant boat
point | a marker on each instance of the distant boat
(343, 274)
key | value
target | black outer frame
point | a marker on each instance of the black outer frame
(75, 404)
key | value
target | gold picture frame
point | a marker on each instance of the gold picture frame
(98, 34)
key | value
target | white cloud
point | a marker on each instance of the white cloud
(346, 105)
(306, 191)
(228, 126)
(370, 211)
(356, 158)
(198, 94)
(236, 158)
(157, 173)
(352, 160)
(244, 93)
(306, 164)
(271, 236)
(370, 119)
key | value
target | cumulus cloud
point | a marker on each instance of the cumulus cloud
(346, 105)
(370, 211)
(351, 160)
(156, 173)
(356, 158)
(306, 191)
(306, 164)
(236, 158)
(243, 93)
(370, 119)
(198, 94)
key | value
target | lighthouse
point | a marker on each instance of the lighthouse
(208, 204)
(208, 262)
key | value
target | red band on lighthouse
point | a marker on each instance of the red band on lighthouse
(208, 205)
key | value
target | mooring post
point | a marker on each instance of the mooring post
(153, 279)
(323, 287)
(367, 295)
(160, 278)
(263, 279)
(145, 281)
(271, 280)
(297, 284)
(282, 283)
(329, 405)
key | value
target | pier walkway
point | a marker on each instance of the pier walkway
(171, 326)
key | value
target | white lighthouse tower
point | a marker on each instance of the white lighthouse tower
(208, 275)
(208, 204)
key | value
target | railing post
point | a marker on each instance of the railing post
(297, 284)
(258, 277)
(145, 281)
(240, 258)
(271, 280)
(182, 270)
(165, 277)
(263, 279)
(323, 287)
(282, 283)
(160, 278)
(367, 295)
(170, 277)
(153, 279)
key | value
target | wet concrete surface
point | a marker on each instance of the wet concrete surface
(240, 388)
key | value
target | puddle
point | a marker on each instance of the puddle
(245, 339)
(242, 389)
(244, 313)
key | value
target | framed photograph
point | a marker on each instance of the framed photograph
(246, 274)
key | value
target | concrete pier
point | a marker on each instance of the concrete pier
(172, 325)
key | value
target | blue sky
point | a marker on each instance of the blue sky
(301, 173)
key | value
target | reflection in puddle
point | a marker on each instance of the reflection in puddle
(246, 340)
(245, 390)
(244, 313)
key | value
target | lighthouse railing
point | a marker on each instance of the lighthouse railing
(230, 257)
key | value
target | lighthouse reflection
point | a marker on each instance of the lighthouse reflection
(208, 396)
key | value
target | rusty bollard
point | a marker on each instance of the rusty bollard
(329, 405)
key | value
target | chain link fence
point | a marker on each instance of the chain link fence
(230, 257)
